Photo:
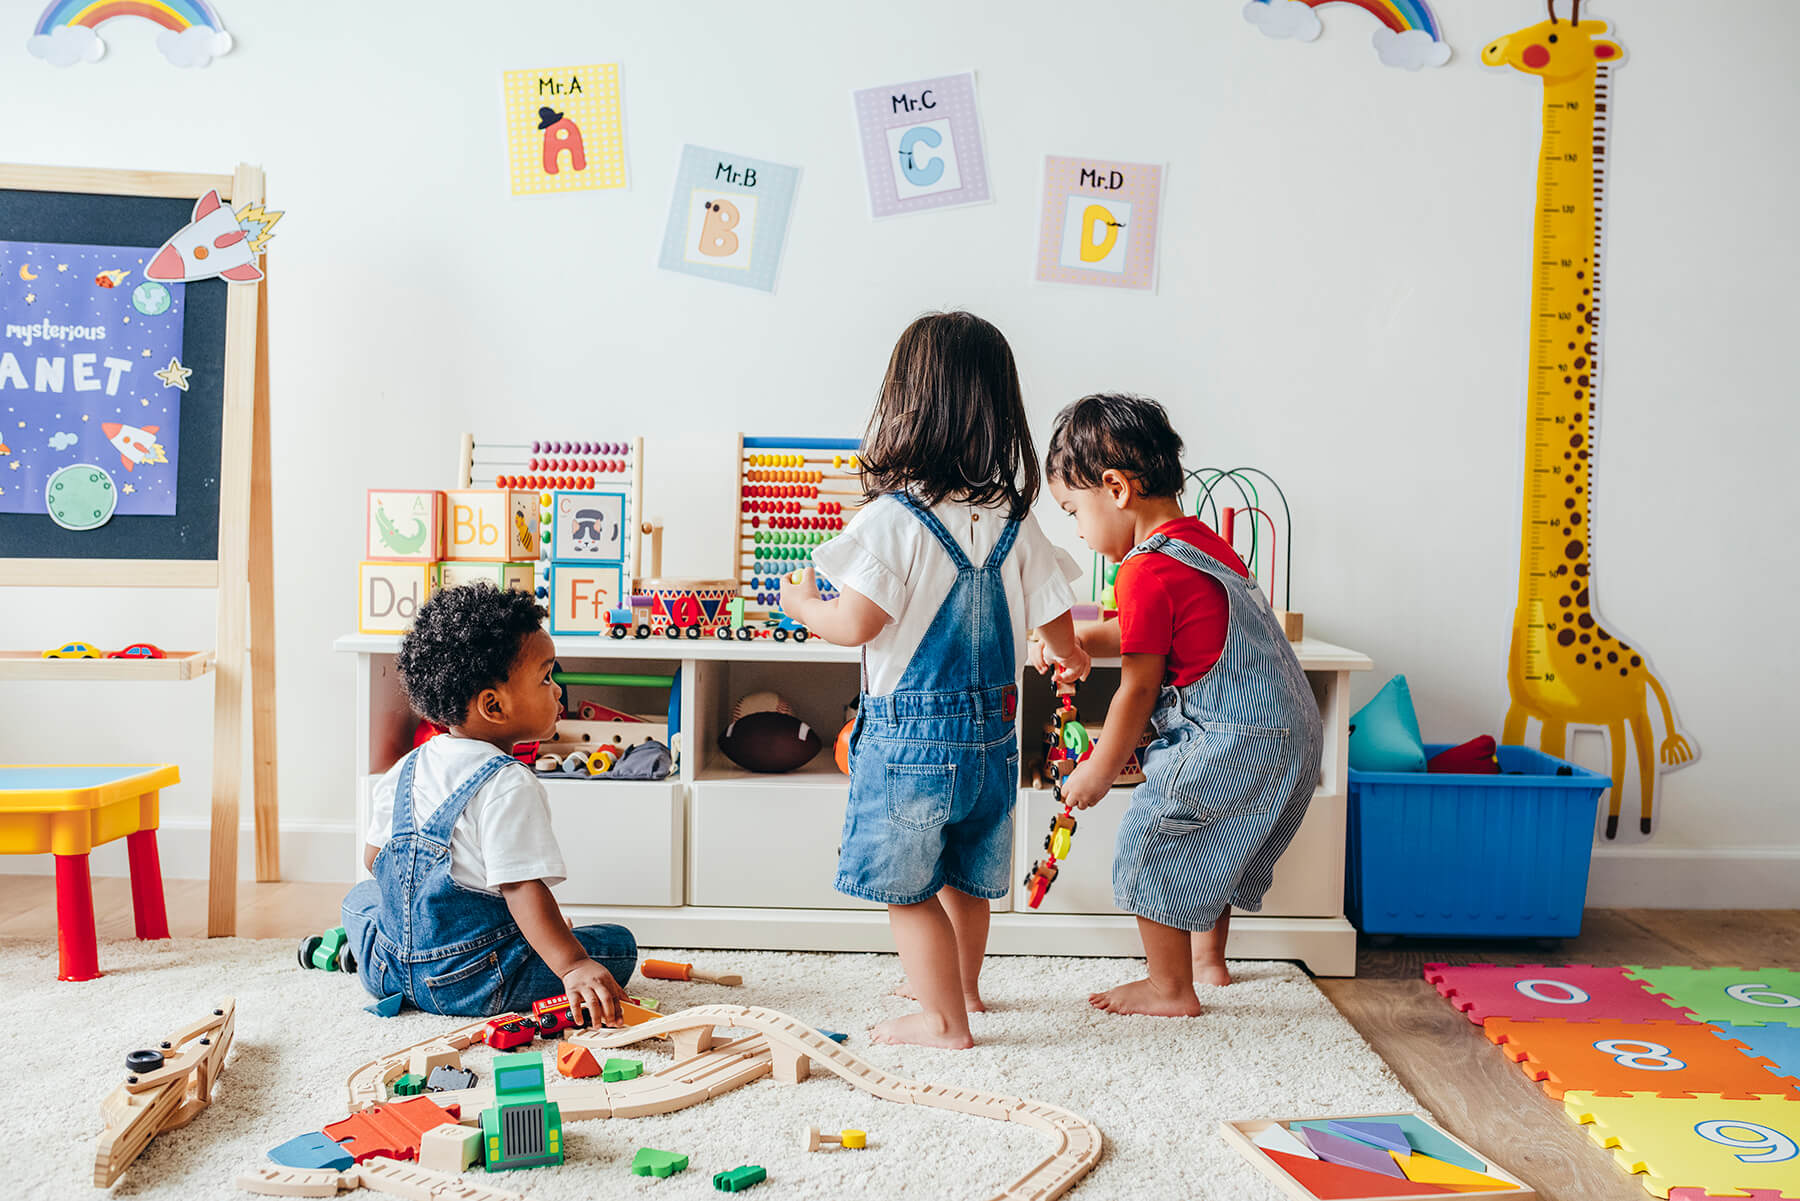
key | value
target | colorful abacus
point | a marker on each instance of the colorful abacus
(793, 495)
(549, 463)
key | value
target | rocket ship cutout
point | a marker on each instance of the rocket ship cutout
(212, 244)
(134, 445)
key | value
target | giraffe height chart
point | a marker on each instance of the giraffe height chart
(1565, 666)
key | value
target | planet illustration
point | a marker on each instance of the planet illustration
(150, 298)
(81, 497)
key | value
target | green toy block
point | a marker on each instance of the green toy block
(409, 1085)
(740, 1178)
(651, 1162)
(621, 1069)
(325, 956)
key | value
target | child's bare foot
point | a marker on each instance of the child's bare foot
(1143, 996)
(971, 1001)
(1211, 971)
(920, 1029)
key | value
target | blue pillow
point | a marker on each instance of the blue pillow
(1384, 734)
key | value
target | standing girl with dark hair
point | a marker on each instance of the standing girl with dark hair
(940, 576)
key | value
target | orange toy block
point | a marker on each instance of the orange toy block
(1330, 1181)
(393, 1130)
(1422, 1169)
(575, 1060)
(1615, 1059)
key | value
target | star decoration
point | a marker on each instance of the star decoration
(31, 298)
(146, 352)
(62, 266)
(128, 489)
(175, 375)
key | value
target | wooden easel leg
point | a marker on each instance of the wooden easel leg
(262, 613)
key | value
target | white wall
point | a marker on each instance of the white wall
(1343, 299)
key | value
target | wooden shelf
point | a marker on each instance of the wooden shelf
(587, 646)
(177, 665)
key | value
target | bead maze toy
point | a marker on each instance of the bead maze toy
(1069, 743)
(1672, 1068)
(163, 1089)
(705, 1064)
(1398, 1156)
(1223, 519)
(793, 494)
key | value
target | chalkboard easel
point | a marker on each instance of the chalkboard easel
(220, 535)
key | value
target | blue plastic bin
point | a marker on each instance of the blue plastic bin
(1502, 856)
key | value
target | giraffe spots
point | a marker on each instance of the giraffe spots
(1581, 598)
(1623, 647)
(1581, 274)
(1580, 307)
(1579, 394)
(1568, 479)
(1563, 601)
(1582, 380)
(1586, 638)
(1568, 502)
(1566, 637)
(1581, 569)
(1567, 380)
(1635, 661)
(1574, 519)
(1580, 658)
(1612, 656)
(1573, 550)
(1580, 362)
(1536, 57)
(1604, 636)
(1585, 621)
(1574, 439)
(1581, 454)
(1571, 346)
(1622, 671)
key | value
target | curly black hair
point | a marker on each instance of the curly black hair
(462, 641)
(1117, 431)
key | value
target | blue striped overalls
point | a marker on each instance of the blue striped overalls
(1231, 772)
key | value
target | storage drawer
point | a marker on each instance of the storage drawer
(623, 840)
(768, 841)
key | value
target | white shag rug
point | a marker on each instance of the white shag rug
(1270, 1045)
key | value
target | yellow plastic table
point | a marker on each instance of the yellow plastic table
(69, 809)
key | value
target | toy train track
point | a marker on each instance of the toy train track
(164, 1088)
(777, 1046)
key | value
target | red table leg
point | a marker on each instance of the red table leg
(79, 958)
(146, 885)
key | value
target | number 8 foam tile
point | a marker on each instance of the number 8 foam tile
(1574, 992)
(1766, 996)
(1617, 1059)
(1714, 1144)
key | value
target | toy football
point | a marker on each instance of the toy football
(769, 741)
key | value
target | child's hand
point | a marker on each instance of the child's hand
(1038, 655)
(1075, 665)
(591, 988)
(794, 597)
(1083, 788)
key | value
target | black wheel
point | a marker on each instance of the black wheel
(142, 1063)
(802, 635)
(724, 633)
(671, 632)
(617, 631)
(346, 959)
(307, 947)
(693, 631)
(779, 635)
(643, 631)
(548, 1027)
(745, 634)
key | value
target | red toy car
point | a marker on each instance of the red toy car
(138, 650)
(503, 1034)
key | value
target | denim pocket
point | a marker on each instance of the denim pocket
(1227, 771)
(473, 989)
(919, 794)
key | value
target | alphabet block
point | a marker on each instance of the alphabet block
(389, 595)
(406, 526)
(587, 527)
(517, 576)
(498, 526)
(450, 1148)
(582, 597)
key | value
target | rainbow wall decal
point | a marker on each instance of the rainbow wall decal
(67, 32)
(1409, 36)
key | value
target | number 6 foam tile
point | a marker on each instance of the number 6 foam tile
(1715, 1144)
(1617, 1059)
(1766, 996)
(1573, 992)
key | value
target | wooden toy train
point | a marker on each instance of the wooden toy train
(707, 609)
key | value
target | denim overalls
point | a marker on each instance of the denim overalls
(1231, 773)
(934, 765)
(449, 948)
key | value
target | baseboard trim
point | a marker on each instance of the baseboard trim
(1694, 878)
(311, 852)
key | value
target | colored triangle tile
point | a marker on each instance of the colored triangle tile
(1277, 1138)
(1334, 1148)
(1424, 1137)
(1386, 1135)
(1334, 1182)
(1779, 1045)
(1423, 1169)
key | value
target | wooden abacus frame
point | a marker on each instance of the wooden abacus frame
(525, 458)
(832, 460)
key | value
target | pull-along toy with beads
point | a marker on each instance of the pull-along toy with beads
(1069, 744)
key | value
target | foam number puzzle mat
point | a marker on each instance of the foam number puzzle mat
(1394, 1155)
(1690, 1076)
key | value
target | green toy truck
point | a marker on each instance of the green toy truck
(522, 1130)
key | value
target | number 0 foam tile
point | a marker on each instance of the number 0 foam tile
(1617, 1059)
(1573, 992)
(1714, 1144)
(1741, 996)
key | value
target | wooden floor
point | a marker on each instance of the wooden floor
(1442, 1057)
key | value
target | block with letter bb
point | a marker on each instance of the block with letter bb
(405, 525)
(389, 595)
(499, 525)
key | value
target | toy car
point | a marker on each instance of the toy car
(138, 650)
(503, 1034)
(74, 650)
(781, 626)
(1062, 832)
(328, 952)
(1038, 880)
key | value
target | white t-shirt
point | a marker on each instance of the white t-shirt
(503, 835)
(888, 555)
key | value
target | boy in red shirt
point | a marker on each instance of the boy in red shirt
(1236, 757)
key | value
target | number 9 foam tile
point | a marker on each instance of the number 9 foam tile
(1718, 1145)
(1617, 1059)
(1573, 992)
(1765, 996)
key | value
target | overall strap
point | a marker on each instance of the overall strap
(437, 826)
(403, 790)
(930, 521)
(1187, 554)
(1002, 548)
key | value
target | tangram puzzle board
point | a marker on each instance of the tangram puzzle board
(1396, 1155)
(1691, 1076)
